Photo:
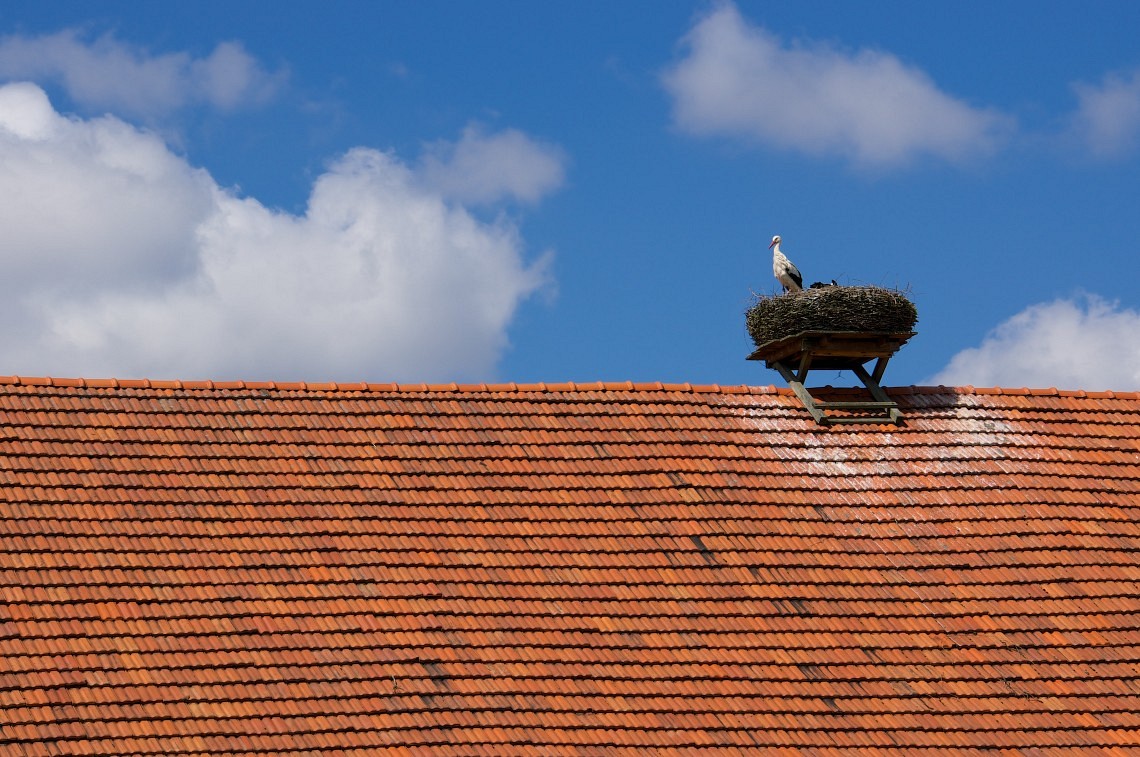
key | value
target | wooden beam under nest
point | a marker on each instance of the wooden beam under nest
(795, 356)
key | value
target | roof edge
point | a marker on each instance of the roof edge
(387, 387)
(552, 387)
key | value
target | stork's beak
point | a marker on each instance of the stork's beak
(772, 245)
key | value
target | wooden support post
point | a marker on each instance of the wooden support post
(801, 391)
(876, 391)
(880, 368)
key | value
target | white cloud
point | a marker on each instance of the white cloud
(113, 75)
(1107, 120)
(1084, 343)
(122, 260)
(741, 81)
(91, 203)
(483, 168)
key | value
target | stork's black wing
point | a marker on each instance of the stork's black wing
(796, 275)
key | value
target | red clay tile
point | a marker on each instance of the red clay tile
(562, 568)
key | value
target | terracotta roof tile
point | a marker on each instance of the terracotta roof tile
(290, 568)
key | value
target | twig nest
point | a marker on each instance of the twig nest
(832, 309)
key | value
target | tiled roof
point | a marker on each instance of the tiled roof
(240, 569)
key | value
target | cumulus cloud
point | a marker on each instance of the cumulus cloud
(739, 80)
(1107, 120)
(1083, 343)
(109, 74)
(123, 260)
(484, 168)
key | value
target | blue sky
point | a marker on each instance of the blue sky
(517, 191)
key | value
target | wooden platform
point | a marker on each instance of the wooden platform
(795, 356)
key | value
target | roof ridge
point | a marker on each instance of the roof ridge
(410, 387)
(541, 386)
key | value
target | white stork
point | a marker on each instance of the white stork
(786, 273)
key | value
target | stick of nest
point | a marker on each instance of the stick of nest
(830, 308)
